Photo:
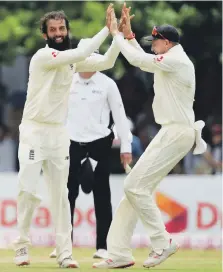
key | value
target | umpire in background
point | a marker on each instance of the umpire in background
(94, 98)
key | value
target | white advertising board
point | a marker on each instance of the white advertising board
(191, 207)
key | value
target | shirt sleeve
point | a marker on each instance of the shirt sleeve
(135, 44)
(120, 119)
(51, 58)
(99, 62)
(145, 61)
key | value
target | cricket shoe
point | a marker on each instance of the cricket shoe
(22, 257)
(53, 254)
(68, 263)
(110, 264)
(155, 259)
(101, 254)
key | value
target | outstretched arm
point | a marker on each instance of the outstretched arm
(107, 61)
(51, 58)
(98, 62)
(139, 58)
(126, 27)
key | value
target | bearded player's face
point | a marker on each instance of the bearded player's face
(57, 36)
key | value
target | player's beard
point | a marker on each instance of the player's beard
(64, 45)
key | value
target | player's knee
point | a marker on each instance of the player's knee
(131, 188)
(29, 196)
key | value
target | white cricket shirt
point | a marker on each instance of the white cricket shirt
(51, 73)
(174, 84)
(90, 103)
(174, 81)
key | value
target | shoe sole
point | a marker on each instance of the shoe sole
(97, 257)
(24, 264)
(52, 257)
(163, 260)
(117, 267)
(70, 266)
(73, 266)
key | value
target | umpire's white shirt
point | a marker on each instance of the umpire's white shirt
(91, 101)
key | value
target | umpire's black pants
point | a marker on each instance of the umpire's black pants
(100, 151)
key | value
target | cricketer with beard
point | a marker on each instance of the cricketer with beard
(44, 141)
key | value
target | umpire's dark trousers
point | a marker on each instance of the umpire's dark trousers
(100, 151)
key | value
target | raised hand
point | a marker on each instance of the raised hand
(108, 15)
(124, 17)
(126, 27)
(114, 24)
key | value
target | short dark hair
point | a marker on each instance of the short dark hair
(53, 15)
(174, 43)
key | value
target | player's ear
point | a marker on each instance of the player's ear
(167, 42)
(44, 36)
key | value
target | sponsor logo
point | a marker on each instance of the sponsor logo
(177, 212)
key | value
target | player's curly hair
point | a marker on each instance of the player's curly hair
(53, 15)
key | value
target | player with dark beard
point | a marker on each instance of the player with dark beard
(44, 140)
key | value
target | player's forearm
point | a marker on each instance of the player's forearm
(123, 132)
(134, 56)
(111, 55)
(99, 62)
(135, 44)
(125, 136)
(126, 146)
(79, 54)
(97, 40)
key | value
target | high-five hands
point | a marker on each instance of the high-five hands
(125, 21)
(114, 23)
(108, 15)
(124, 24)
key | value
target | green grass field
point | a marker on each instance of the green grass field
(183, 261)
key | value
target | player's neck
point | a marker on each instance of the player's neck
(86, 75)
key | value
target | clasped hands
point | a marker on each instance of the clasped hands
(124, 24)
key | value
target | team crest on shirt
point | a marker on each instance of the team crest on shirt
(54, 54)
(159, 58)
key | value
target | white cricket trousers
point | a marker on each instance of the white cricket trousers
(46, 147)
(168, 147)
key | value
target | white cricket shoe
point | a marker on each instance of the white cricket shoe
(22, 257)
(101, 254)
(53, 254)
(110, 264)
(68, 263)
(155, 259)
